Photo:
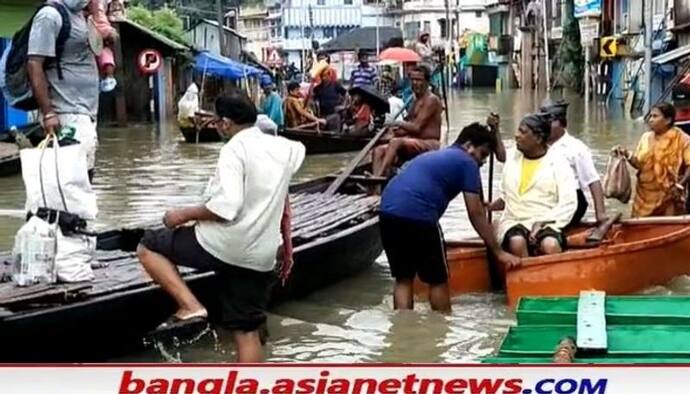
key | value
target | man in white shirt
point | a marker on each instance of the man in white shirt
(237, 229)
(538, 196)
(579, 157)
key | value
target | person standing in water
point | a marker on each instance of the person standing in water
(413, 203)
(234, 233)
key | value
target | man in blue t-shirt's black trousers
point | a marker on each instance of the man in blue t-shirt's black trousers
(414, 201)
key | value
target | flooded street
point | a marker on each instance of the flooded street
(141, 171)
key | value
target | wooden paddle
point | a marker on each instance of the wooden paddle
(353, 163)
(597, 236)
(360, 156)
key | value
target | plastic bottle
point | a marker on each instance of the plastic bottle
(33, 254)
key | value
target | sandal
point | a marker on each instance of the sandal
(174, 322)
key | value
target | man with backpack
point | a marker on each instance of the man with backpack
(63, 73)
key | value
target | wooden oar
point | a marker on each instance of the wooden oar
(597, 236)
(360, 156)
(353, 163)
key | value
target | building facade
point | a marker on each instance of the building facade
(417, 16)
(253, 22)
(204, 36)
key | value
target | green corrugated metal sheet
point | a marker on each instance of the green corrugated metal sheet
(14, 13)
(619, 310)
(639, 329)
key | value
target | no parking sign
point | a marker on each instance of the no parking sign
(149, 61)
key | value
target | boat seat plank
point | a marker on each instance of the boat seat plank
(591, 321)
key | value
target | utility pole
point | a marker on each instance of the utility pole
(378, 22)
(588, 50)
(221, 30)
(446, 68)
(547, 59)
(648, 28)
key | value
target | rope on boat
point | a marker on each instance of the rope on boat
(565, 351)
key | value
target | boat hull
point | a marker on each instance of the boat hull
(10, 165)
(208, 134)
(639, 256)
(318, 143)
(114, 324)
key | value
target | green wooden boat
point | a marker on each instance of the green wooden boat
(625, 330)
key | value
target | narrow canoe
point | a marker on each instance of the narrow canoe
(334, 238)
(206, 134)
(636, 254)
(618, 329)
(10, 163)
(326, 141)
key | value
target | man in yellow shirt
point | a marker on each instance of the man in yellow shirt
(538, 193)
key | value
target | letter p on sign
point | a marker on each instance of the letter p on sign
(149, 61)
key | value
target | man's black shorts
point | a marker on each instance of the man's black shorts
(243, 293)
(521, 231)
(414, 248)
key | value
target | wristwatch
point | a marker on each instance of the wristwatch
(49, 115)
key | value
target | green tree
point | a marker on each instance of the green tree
(571, 61)
(164, 21)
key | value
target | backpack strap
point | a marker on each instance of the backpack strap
(63, 35)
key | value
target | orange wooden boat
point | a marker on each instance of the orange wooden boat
(636, 254)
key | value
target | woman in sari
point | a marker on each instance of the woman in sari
(662, 158)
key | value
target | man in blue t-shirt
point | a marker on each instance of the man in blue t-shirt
(414, 201)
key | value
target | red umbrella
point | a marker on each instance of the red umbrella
(400, 55)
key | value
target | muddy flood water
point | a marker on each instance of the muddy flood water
(143, 170)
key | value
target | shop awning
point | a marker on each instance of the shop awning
(224, 67)
(673, 55)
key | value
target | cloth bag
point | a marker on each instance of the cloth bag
(73, 184)
(58, 179)
(617, 183)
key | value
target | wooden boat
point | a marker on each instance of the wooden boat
(33, 131)
(10, 163)
(597, 329)
(206, 134)
(636, 254)
(334, 237)
(318, 142)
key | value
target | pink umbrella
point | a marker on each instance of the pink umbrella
(402, 55)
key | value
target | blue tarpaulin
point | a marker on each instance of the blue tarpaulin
(224, 67)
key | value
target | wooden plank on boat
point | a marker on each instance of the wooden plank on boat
(43, 293)
(324, 214)
(364, 179)
(332, 222)
(591, 321)
(327, 206)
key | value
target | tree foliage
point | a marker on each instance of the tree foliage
(163, 20)
(570, 58)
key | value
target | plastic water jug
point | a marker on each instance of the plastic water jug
(33, 254)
